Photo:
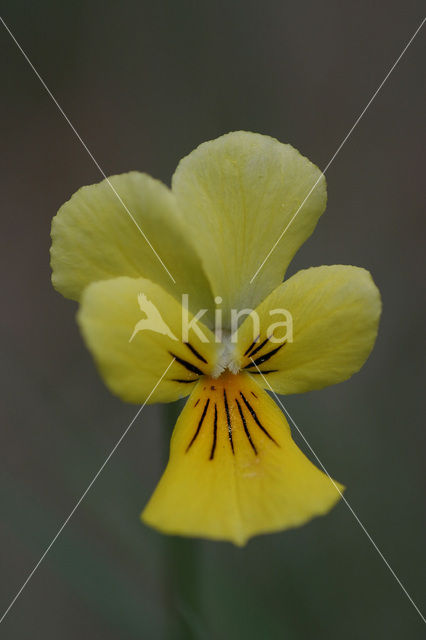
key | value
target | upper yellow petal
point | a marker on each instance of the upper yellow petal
(94, 238)
(335, 312)
(237, 194)
(234, 470)
(133, 328)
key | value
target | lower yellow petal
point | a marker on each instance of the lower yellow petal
(234, 470)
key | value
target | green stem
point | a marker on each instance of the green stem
(181, 565)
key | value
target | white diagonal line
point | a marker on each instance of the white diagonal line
(86, 147)
(83, 495)
(333, 157)
(341, 494)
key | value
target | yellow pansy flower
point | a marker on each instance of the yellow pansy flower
(177, 308)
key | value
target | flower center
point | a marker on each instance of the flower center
(227, 359)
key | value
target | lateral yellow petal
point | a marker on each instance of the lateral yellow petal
(237, 194)
(234, 470)
(133, 329)
(94, 238)
(334, 312)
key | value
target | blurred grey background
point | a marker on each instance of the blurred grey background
(144, 83)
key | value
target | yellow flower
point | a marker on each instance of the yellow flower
(234, 470)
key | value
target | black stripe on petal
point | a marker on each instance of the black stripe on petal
(195, 352)
(256, 419)
(228, 420)
(190, 367)
(203, 415)
(247, 432)
(214, 433)
(257, 373)
(262, 344)
(265, 357)
(250, 347)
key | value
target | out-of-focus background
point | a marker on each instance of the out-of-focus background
(144, 83)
